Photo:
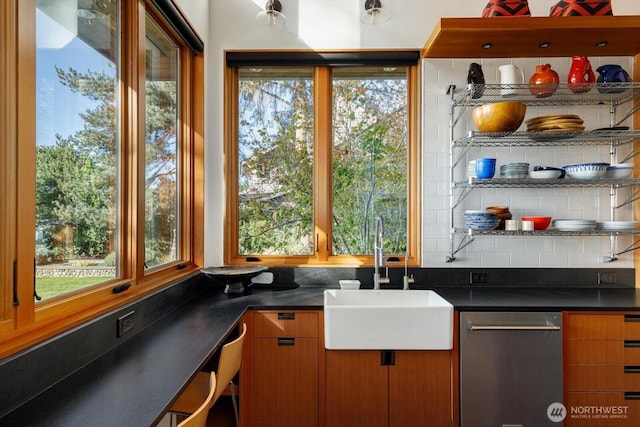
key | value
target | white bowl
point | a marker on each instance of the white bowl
(546, 174)
(620, 170)
(586, 170)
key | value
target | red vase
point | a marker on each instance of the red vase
(544, 81)
(506, 8)
(581, 8)
(581, 77)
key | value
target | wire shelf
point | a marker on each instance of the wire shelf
(548, 232)
(546, 183)
(601, 93)
(542, 139)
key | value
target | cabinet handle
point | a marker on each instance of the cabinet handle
(632, 369)
(632, 343)
(387, 357)
(632, 395)
(286, 341)
(632, 317)
(286, 316)
(512, 328)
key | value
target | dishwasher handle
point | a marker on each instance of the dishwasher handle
(513, 327)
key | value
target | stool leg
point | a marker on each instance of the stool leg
(233, 400)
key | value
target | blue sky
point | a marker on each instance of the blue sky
(57, 107)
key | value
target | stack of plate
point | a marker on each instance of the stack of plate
(556, 123)
(617, 225)
(574, 224)
(551, 128)
(514, 170)
(481, 220)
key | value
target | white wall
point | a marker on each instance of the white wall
(334, 24)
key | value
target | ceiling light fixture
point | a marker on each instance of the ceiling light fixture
(374, 13)
(272, 13)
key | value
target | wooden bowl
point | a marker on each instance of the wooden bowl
(504, 116)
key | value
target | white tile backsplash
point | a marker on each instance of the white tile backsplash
(517, 251)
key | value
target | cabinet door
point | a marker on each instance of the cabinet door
(356, 389)
(285, 382)
(602, 383)
(420, 389)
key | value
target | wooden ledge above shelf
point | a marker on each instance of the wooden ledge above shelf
(521, 37)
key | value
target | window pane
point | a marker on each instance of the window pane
(161, 151)
(77, 144)
(275, 161)
(370, 157)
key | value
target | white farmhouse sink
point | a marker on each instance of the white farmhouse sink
(387, 319)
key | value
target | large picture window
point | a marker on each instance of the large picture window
(102, 138)
(78, 141)
(320, 152)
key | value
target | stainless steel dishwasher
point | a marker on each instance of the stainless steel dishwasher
(510, 369)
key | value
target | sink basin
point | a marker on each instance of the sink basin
(387, 319)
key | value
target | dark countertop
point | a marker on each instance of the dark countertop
(135, 383)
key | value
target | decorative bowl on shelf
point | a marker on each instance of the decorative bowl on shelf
(586, 170)
(539, 222)
(481, 220)
(504, 116)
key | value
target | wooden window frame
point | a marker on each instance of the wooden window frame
(28, 323)
(322, 172)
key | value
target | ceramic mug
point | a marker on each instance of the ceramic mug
(511, 225)
(485, 168)
(527, 226)
(510, 75)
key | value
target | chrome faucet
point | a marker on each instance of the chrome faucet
(378, 254)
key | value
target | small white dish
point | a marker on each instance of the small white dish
(546, 174)
(349, 284)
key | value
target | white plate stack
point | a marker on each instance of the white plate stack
(617, 225)
(574, 224)
(514, 170)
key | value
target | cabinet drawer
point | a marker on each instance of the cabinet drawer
(594, 326)
(608, 409)
(603, 326)
(286, 323)
(602, 352)
(602, 378)
(631, 326)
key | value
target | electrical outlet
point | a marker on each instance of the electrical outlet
(125, 324)
(606, 278)
(478, 277)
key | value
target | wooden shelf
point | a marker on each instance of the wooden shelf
(521, 37)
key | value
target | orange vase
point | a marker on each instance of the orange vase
(544, 81)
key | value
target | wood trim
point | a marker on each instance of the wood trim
(26, 165)
(322, 178)
(636, 162)
(8, 156)
(568, 36)
(197, 153)
(414, 170)
(230, 153)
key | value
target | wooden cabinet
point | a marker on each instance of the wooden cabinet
(280, 375)
(388, 388)
(602, 369)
